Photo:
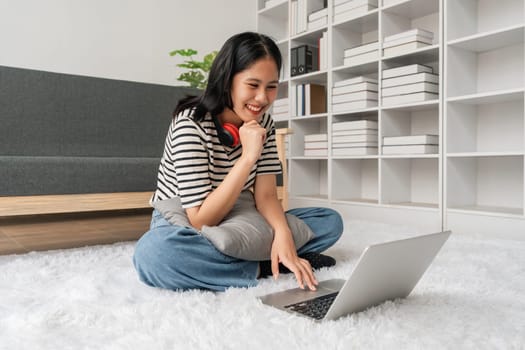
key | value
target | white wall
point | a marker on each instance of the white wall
(119, 39)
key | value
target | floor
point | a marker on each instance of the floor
(24, 234)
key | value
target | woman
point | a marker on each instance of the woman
(207, 172)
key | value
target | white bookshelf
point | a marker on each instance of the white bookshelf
(475, 180)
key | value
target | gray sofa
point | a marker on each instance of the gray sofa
(64, 134)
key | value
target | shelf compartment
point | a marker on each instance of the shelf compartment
(406, 15)
(472, 72)
(485, 184)
(471, 17)
(410, 121)
(411, 8)
(273, 21)
(428, 56)
(306, 126)
(309, 178)
(355, 180)
(481, 125)
(491, 40)
(352, 34)
(410, 182)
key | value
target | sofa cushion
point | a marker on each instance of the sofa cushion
(22, 176)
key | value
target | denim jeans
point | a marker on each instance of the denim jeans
(179, 258)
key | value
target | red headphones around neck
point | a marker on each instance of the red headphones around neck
(228, 133)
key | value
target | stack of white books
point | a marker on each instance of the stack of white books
(355, 93)
(345, 10)
(316, 145)
(280, 108)
(318, 19)
(415, 144)
(354, 138)
(361, 54)
(409, 84)
(408, 41)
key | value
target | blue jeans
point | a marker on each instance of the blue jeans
(179, 258)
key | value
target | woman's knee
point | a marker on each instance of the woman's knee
(334, 223)
(150, 258)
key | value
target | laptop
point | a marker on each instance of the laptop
(384, 271)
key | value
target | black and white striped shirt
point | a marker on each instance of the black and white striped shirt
(194, 162)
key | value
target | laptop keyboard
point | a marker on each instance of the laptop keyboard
(315, 308)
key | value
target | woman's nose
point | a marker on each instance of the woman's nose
(262, 96)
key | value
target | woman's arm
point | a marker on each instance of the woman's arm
(283, 246)
(220, 202)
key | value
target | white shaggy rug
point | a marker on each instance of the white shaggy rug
(472, 297)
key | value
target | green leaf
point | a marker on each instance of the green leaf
(183, 52)
(197, 75)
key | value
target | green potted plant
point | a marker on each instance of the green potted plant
(197, 76)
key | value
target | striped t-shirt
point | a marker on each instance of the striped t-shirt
(194, 162)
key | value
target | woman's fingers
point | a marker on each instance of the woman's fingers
(303, 273)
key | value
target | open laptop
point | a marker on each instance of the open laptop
(385, 271)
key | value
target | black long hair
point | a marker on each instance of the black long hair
(237, 54)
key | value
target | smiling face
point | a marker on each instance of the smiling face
(253, 90)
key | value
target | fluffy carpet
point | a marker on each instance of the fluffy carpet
(471, 297)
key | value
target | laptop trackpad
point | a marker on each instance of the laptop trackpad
(292, 296)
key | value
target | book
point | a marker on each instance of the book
(410, 88)
(355, 96)
(360, 59)
(318, 23)
(304, 60)
(281, 101)
(293, 61)
(354, 151)
(360, 49)
(316, 145)
(411, 79)
(408, 39)
(411, 149)
(356, 80)
(316, 152)
(315, 137)
(315, 99)
(350, 5)
(366, 86)
(404, 48)
(349, 106)
(354, 144)
(354, 138)
(411, 140)
(355, 125)
(280, 109)
(408, 98)
(353, 13)
(411, 32)
(405, 70)
(323, 51)
(280, 116)
(337, 133)
(271, 3)
(318, 14)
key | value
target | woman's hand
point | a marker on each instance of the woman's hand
(252, 137)
(283, 251)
